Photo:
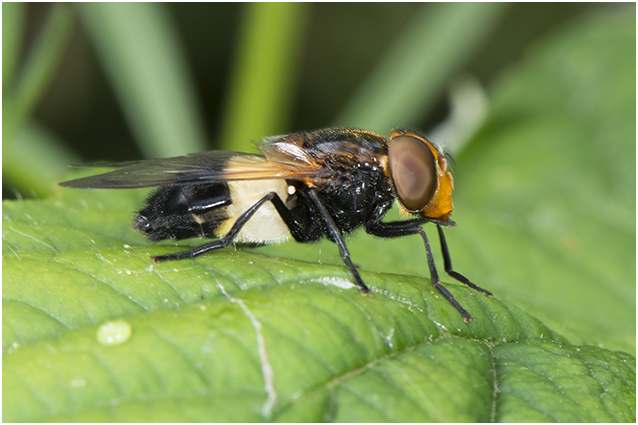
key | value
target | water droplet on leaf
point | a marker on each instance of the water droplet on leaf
(114, 332)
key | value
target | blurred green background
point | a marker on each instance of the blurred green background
(542, 123)
(93, 82)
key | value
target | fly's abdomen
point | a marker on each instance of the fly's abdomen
(182, 212)
(266, 225)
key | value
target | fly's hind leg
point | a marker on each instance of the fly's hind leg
(228, 238)
(296, 228)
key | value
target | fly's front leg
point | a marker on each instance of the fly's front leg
(411, 227)
(225, 240)
(447, 263)
(434, 277)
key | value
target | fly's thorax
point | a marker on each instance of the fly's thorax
(353, 194)
(266, 225)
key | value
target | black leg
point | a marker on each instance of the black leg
(227, 239)
(300, 228)
(337, 237)
(411, 227)
(434, 275)
(448, 265)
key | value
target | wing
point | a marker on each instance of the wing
(206, 167)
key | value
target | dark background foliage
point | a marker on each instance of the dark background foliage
(340, 44)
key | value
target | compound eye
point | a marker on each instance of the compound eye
(413, 171)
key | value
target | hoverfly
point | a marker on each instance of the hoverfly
(306, 184)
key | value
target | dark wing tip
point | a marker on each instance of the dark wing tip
(107, 181)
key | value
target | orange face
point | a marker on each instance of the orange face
(419, 173)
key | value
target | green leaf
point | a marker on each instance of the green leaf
(546, 195)
(541, 382)
(94, 331)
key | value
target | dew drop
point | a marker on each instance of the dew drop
(114, 332)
